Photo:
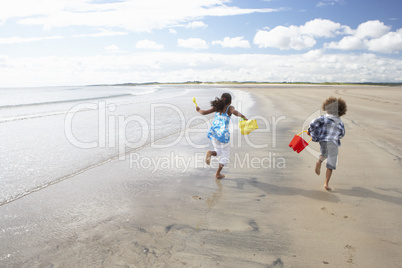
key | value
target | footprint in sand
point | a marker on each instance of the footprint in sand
(350, 252)
(326, 210)
(254, 225)
(196, 197)
(331, 213)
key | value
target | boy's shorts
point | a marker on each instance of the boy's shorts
(329, 151)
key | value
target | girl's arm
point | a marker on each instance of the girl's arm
(205, 112)
(232, 110)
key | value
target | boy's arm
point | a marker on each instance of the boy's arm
(232, 110)
(342, 130)
(205, 112)
(310, 128)
(315, 128)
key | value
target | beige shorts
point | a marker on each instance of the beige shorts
(329, 151)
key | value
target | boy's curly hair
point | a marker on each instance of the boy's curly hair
(335, 106)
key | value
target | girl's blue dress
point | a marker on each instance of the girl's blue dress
(220, 127)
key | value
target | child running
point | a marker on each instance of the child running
(219, 132)
(328, 130)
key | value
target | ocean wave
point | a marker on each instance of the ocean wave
(65, 101)
(13, 197)
(63, 112)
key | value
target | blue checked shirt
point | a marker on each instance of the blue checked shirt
(327, 128)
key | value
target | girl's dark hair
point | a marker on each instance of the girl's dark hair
(335, 106)
(219, 104)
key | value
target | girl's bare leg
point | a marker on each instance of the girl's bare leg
(208, 156)
(218, 174)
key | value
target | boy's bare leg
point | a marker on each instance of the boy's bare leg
(218, 174)
(318, 166)
(327, 178)
(208, 156)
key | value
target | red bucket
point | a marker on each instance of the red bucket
(298, 143)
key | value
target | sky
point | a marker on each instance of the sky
(86, 42)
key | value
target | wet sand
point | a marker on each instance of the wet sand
(271, 210)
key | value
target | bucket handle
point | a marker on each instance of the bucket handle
(302, 132)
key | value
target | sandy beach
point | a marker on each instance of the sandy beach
(270, 210)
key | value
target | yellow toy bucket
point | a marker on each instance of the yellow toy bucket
(246, 126)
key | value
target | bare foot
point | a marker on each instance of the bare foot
(327, 188)
(219, 176)
(208, 158)
(318, 168)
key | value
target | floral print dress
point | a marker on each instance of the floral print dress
(220, 127)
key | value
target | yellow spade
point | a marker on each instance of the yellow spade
(195, 102)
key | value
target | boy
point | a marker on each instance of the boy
(328, 130)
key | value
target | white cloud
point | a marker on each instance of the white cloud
(370, 35)
(371, 29)
(323, 28)
(112, 48)
(328, 3)
(389, 43)
(347, 43)
(18, 40)
(313, 66)
(313, 54)
(299, 37)
(196, 24)
(147, 44)
(195, 43)
(102, 34)
(172, 31)
(232, 42)
(131, 15)
(283, 38)
(25, 8)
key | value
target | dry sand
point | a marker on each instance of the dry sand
(278, 215)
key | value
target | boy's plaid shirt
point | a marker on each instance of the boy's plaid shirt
(326, 129)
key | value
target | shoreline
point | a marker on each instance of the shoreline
(234, 83)
(115, 215)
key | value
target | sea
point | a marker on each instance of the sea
(51, 134)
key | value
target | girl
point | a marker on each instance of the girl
(219, 132)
